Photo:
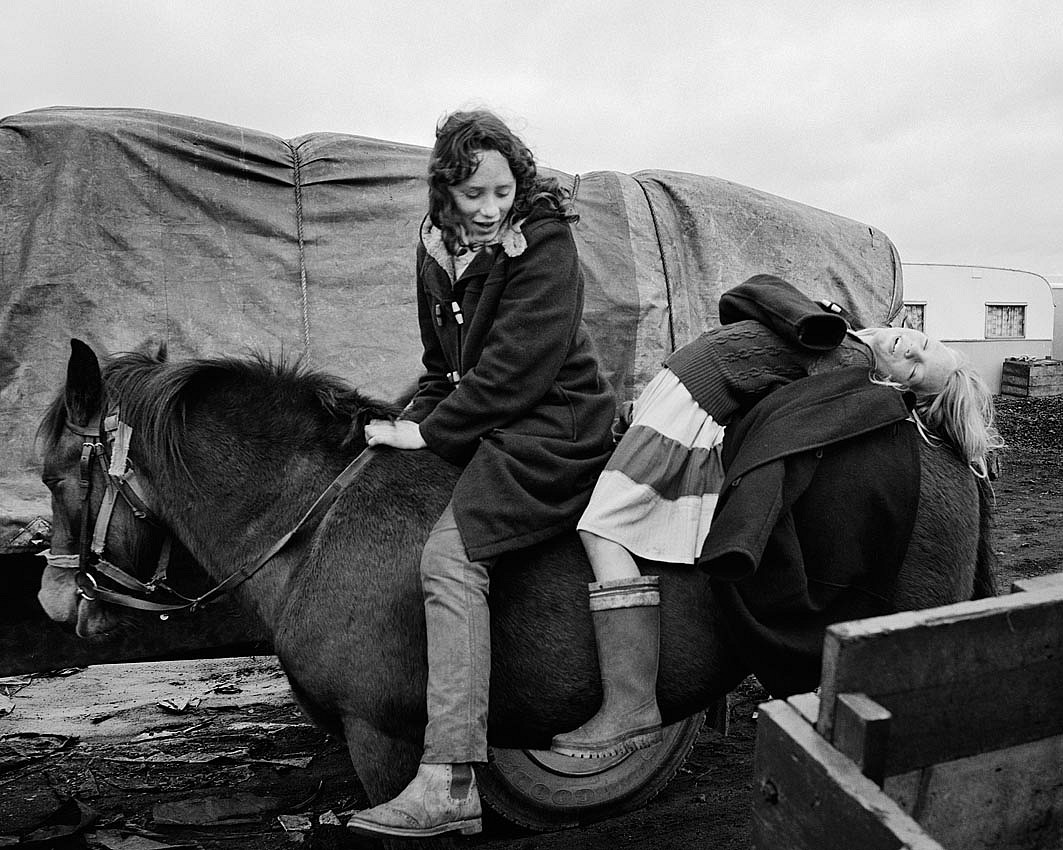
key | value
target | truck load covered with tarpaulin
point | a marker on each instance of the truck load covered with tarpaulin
(122, 225)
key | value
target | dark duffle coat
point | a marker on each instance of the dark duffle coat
(512, 390)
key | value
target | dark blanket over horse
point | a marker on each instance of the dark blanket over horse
(230, 452)
(814, 518)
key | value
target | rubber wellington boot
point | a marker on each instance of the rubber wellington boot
(626, 616)
(441, 798)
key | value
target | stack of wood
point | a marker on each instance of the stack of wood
(1031, 378)
(932, 730)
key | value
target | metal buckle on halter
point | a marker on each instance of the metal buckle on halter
(90, 448)
(86, 593)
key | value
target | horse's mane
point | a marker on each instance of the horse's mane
(279, 400)
(54, 421)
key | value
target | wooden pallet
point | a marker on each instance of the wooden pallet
(1031, 378)
(931, 729)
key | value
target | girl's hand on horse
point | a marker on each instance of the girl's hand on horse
(401, 434)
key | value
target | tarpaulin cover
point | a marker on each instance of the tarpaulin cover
(120, 225)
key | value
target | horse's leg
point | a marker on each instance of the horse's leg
(385, 764)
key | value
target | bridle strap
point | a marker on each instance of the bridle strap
(89, 588)
(121, 481)
(103, 518)
(119, 576)
(91, 447)
(127, 486)
(94, 592)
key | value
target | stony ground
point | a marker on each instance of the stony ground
(1029, 510)
(1031, 424)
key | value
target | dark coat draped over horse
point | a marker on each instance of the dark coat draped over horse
(229, 453)
(815, 515)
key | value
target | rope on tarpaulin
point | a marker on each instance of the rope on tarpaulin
(664, 266)
(575, 188)
(297, 180)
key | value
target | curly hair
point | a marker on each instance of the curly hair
(461, 139)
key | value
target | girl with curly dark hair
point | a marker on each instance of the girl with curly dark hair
(512, 392)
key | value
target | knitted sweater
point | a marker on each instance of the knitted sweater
(729, 369)
(770, 334)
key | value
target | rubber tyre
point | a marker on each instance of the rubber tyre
(544, 791)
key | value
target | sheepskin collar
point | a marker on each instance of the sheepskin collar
(511, 240)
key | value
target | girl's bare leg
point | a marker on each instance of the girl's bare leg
(610, 561)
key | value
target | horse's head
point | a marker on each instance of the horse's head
(208, 443)
(79, 444)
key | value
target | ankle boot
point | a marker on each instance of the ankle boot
(441, 798)
(626, 616)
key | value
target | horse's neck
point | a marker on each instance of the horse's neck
(230, 519)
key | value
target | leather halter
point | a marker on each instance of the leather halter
(122, 481)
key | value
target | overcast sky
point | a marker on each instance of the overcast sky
(939, 122)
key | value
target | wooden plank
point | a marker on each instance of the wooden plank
(1037, 378)
(807, 705)
(244, 750)
(1010, 799)
(958, 680)
(861, 733)
(1054, 581)
(808, 796)
(1046, 391)
(121, 700)
(1044, 366)
(1033, 382)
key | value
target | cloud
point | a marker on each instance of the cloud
(938, 122)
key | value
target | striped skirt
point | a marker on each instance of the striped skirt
(657, 494)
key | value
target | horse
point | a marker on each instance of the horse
(229, 453)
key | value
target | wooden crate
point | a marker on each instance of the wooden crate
(931, 729)
(1031, 378)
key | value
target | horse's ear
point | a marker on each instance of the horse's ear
(84, 384)
(154, 349)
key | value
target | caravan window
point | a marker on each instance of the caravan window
(914, 316)
(1005, 321)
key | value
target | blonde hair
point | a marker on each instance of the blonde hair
(961, 413)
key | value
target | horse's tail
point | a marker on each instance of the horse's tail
(985, 571)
